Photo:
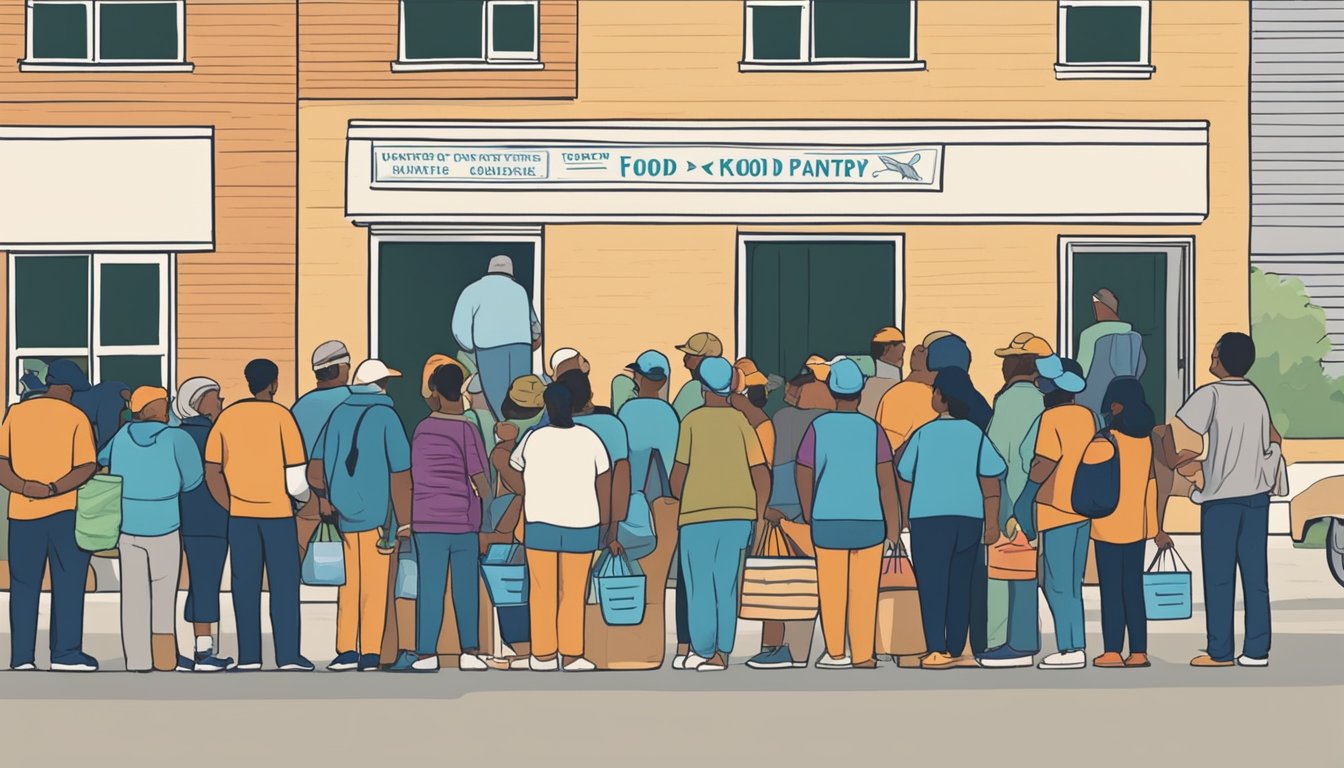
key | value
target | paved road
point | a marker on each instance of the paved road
(1160, 716)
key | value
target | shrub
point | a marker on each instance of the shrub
(1291, 342)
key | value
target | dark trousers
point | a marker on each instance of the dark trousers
(943, 551)
(1234, 533)
(205, 573)
(980, 601)
(515, 624)
(436, 554)
(683, 606)
(33, 544)
(1120, 575)
(273, 544)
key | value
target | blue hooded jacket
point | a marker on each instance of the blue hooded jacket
(201, 514)
(157, 464)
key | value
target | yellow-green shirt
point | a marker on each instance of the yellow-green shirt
(719, 448)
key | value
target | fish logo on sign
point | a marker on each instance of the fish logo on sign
(907, 170)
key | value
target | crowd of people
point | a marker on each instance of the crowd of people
(865, 452)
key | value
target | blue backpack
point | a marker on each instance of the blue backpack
(1096, 487)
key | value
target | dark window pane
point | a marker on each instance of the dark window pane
(32, 372)
(60, 31)
(51, 301)
(514, 28)
(1098, 34)
(138, 31)
(444, 29)
(129, 304)
(132, 370)
(776, 33)
(862, 29)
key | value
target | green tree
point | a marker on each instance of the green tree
(1291, 342)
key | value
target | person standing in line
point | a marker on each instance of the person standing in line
(888, 351)
(1106, 311)
(696, 349)
(908, 406)
(46, 453)
(721, 478)
(1121, 537)
(205, 526)
(847, 488)
(949, 483)
(495, 322)
(331, 367)
(254, 466)
(451, 483)
(749, 398)
(651, 427)
(157, 464)
(611, 432)
(563, 476)
(1060, 437)
(1013, 630)
(361, 469)
(805, 398)
(1241, 469)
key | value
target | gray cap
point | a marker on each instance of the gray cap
(501, 265)
(330, 353)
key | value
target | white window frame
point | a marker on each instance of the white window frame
(94, 62)
(96, 350)
(1118, 70)
(744, 238)
(492, 59)
(807, 45)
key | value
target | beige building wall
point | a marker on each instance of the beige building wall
(615, 290)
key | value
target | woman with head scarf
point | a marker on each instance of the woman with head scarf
(205, 525)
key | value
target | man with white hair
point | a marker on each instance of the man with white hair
(494, 321)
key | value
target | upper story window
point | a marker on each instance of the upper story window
(1104, 40)
(124, 35)
(803, 35)
(468, 34)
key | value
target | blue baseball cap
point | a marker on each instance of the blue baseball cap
(1059, 373)
(716, 374)
(65, 373)
(846, 377)
(651, 364)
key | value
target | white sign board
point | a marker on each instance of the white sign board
(625, 166)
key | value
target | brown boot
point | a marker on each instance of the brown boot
(1138, 660)
(164, 649)
(1208, 661)
(1109, 660)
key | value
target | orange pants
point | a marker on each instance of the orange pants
(557, 586)
(847, 585)
(361, 604)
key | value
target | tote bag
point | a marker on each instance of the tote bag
(1167, 588)
(324, 562)
(98, 513)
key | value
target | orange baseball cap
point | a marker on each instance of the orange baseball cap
(1026, 343)
(144, 396)
(889, 335)
(433, 364)
(749, 374)
(820, 367)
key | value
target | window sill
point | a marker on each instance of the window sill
(833, 66)
(66, 66)
(1104, 71)
(466, 66)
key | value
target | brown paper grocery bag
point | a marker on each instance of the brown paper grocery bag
(900, 624)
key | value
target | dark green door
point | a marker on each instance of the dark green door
(816, 298)
(1139, 281)
(418, 286)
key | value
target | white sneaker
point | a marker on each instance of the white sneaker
(427, 664)
(580, 665)
(679, 662)
(537, 665)
(1070, 660)
(470, 662)
(29, 667)
(711, 666)
(246, 667)
(1247, 661)
(520, 663)
(74, 668)
(827, 661)
(693, 661)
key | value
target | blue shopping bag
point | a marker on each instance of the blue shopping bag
(1167, 588)
(505, 572)
(408, 571)
(324, 562)
(620, 590)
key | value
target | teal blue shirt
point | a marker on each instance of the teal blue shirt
(944, 460)
(157, 464)
(313, 410)
(844, 450)
(610, 431)
(363, 499)
(651, 426)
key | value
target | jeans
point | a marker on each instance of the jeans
(1064, 557)
(1013, 620)
(1234, 534)
(150, 569)
(205, 575)
(33, 545)
(711, 561)
(436, 553)
(943, 552)
(1120, 575)
(498, 367)
(515, 624)
(273, 544)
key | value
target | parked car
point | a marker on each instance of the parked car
(1322, 485)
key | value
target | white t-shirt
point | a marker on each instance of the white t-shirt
(560, 467)
(1234, 420)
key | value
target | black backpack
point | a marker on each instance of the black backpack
(1096, 487)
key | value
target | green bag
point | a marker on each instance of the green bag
(98, 513)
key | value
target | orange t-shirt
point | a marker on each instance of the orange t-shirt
(1064, 434)
(44, 439)
(1135, 516)
(254, 441)
(766, 432)
(903, 409)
